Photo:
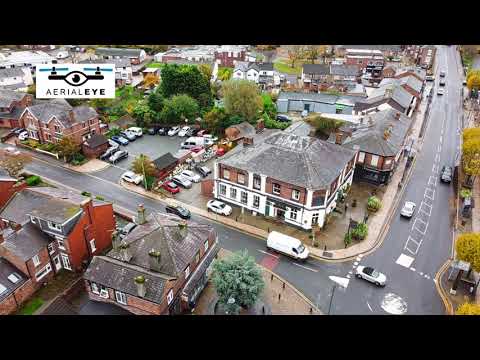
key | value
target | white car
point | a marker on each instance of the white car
(219, 207)
(131, 177)
(184, 130)
(440, 91)
(174, 131)
(408, 209)
(113, 144)
(370, 274)
(12, 151)
(136, 130)
(190, 175)
(23, 136)
(304, 113)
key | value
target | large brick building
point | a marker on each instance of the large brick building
(8, 187)
(12, 106)
(228, 55)
(160, 268)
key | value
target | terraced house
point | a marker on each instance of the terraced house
(293, 178)
(51, 120)
(160, 268)
(12, 106)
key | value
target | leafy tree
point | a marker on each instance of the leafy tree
(473, 79)
(471, 156)
(142, 113)
(295, 54)
(360, 232)
(150, 80)
(312, 52)
(206, 71)
(468, 309)
(144, 166)
(68, 148)
(274, 124)
(213, 118)
(185, 79)
(14, 164)
(32, 89)
(323, 125)
(155, 101)
(374, 203)
(238, 277)
(468, 249)
(179, 108)
(242, 97)
(224, 73)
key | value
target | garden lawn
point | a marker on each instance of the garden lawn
(287, 69)
(155, 65)
(31, 306)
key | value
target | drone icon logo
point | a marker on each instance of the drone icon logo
(76, 77)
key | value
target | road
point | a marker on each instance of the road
(414, 249)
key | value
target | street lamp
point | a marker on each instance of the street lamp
(331, 298)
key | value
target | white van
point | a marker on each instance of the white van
(192, 142)
(287, 245)
(136, 130)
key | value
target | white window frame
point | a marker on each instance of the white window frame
(170, 297)
(65, 256)
(241, 176)
(274, 191)
(32, 219)
(44, 272)
(187, 272)
(293, 212)
(61, 244)
(242, 194)
(315, 216)
(120, 297)
(226, 174)
(92, 245)
(36, 260)
(361, 157)
(374, 163)
(255, 183)
(51, 248)
(256, 205)
(223, 190)
(297, 192)
(94, 287)
(54, 226)
(233, 190)
(104, 292)
(205, 245)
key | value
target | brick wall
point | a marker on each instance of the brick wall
(104, 220)
(8, 189)
(285, 190)
(19, 296)
(94, 152)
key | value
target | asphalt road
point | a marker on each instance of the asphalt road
(414, 249)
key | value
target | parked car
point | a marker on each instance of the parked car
(183, 131)
(202, 132)
(370, 274)
(304, 113)
(17, 131)
(128, 135)
(109, 152)
(203, 170)
(23, 135)
(287, 245)
(119, 140)
(283, 118)
(131, 177)
(174, 131)
(127, 229)
(117, 156)
(210, 137)
(464, 82)
(408, 209)
(136, 130)
(442, 82)
(440, 91)
(113, 144)
(442, 73)
(179, 211)
(14, 152)
(220, 152)
(152, 131)
(446, 174)
(430, 78)
(182, 181)
(195, 132)
(171, 187)
(219, 207)
(163, 130)
(190, 175)
(190, 132)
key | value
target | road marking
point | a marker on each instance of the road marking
(430, 194)
(267, 253)
(428, 210)
(348, 276)
(426, 276)
(435, 168)
(417, 219)
(360, 256)
(441, 139)
(405, 260)
(435, 281)
(439, 149)
(413, 269)
(421, 273)
(355, 263)
(305, 267)
(437, 158)
(432, 180)
(369, 307)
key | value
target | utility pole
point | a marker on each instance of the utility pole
(143, 169)
(331, 298)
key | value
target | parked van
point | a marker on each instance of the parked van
(287, 245)
(192, 142)
(136, 130)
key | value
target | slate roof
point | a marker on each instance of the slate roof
(300, 128)
(5, 176)
(11, 72)
(319, 97)
(63, 112)
(120, 276)
(122, 121)
(26, 242)
(265, 66)
(422, 73)
(165, 161)
(344, 70)
(317, 69)
(119, 63)
(14, 114)
(410, 81)
(298, 160)
(162, 233)
(96, 140)
(390, 91)
(118, 52)
(371, 138)
(6, 269)
(8, 96)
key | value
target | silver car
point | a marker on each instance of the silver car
(370, 274)
(182, 181)
(408, 209)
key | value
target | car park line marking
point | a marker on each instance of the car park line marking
(405, 260)
(430, 194)
(417, 246)
(305, 267)
(437, 158)
(410, 251)
(267, 253)
(427, 200)
(439, 149)
(432, 180)
(429, 207)
(413, 269)
(417, 219)
(369, 307)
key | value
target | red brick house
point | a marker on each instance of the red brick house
(12, 105)
(96, 145)
(160, 268)
(52, 120)
(15, 287)
(227, 55)
(8, 187)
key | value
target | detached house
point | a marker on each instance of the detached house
(52, 120)
(160, 268)
(293, 178)
(12, 105)
(315, 74)
(228, 55)
(261, 73)
(388, 96)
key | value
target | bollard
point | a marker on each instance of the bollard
(325, 248)
(263, 310)
(271, 277)
(283, 286)
(279, 297)
(311, 311)
(268, 229)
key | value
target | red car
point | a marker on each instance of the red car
(220, 151)
(196, 149)
(171, 187)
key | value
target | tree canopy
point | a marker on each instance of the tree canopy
(473, 79)
(468, 249)
(242, 98)
(471, 151)
(68, 148)
(178, 108)
(323, 125)
(468, 309)
(143, 165)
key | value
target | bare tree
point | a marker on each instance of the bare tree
(295, 53)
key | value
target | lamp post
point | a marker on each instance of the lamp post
(331, 298)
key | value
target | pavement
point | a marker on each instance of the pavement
(93, 165)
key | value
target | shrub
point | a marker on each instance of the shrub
(101, 198)
(86, 193)
(465, 193)
(78, 159)
(374, 203)
(347, 239)
(47, 147)
(150, 180)
(274, 124)
(360, 232)
(33, 180)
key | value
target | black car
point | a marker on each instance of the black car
(283, 118)
(179, 211)
(152, 131)
(163, 131)
(203, 170)
(189, 132)
(195, 132)
(446, 174)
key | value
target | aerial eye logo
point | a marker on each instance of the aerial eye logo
(75, 81)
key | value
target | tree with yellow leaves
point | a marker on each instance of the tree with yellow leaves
(468, 249)
(468, 309)
(150, 80)
(473, 79)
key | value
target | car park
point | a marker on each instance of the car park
(202, 132)
(182, 181)
(163, 131)
(136, 130)
(183, 131)
(171, 187)
(109, 152)
(23, 135)
(129, 135)
(446, 174)
(131, 177)
(174, 131)
(117, 156)
(203, 170)
(440, 91)
(190, 175)
(113, 144)
(408, 209)
(120, 140)
(219, 207)
(179, 211)
(287, 245)
(370, 274)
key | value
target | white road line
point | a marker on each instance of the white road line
(435, 168)
(348, 276)
(413, 269)
(421, 273)
(405, 260)
(305, 267)
(437, 158)
(267, 253)
(427, 210)
(369, 307)
(410, 251)
(417, 219)
(426, 276)
(441, 139)
(432, 180)
(429, 193)
(439, 149)
(435, 281)
(355, 263)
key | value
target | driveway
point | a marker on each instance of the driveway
(98, 308)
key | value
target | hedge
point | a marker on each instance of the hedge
(33, 180)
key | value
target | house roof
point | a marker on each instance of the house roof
(119, 63)
(120, 275)
(63, 112)
(372, 47)
(47, 203)
(298, 160)
(9, 96)
(5, 176)
(421, 73)
(162, 233)
(118, 52)
(16, 112)
(318, 69)
(125, 120)
(319, 97)
(386, 92)
(410, 81)
(11, 72)
(265, 66)
(244, 129)
(26, 242)
(165, 161)
(371, 137)
(300, 128)
(96, 140)
(344, 70)
(7, 285)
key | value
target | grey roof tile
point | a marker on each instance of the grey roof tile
(8, 96)
(6, 269)
(318, 69)
(26, 242)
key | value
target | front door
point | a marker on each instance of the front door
(66, 262)
(280, 213)
(306, 107)
(58, 264)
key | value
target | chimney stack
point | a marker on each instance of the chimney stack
(141, 289)
(155, 257)
(125, 251)
(247, 141)
(115, 240)
(141, 215)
